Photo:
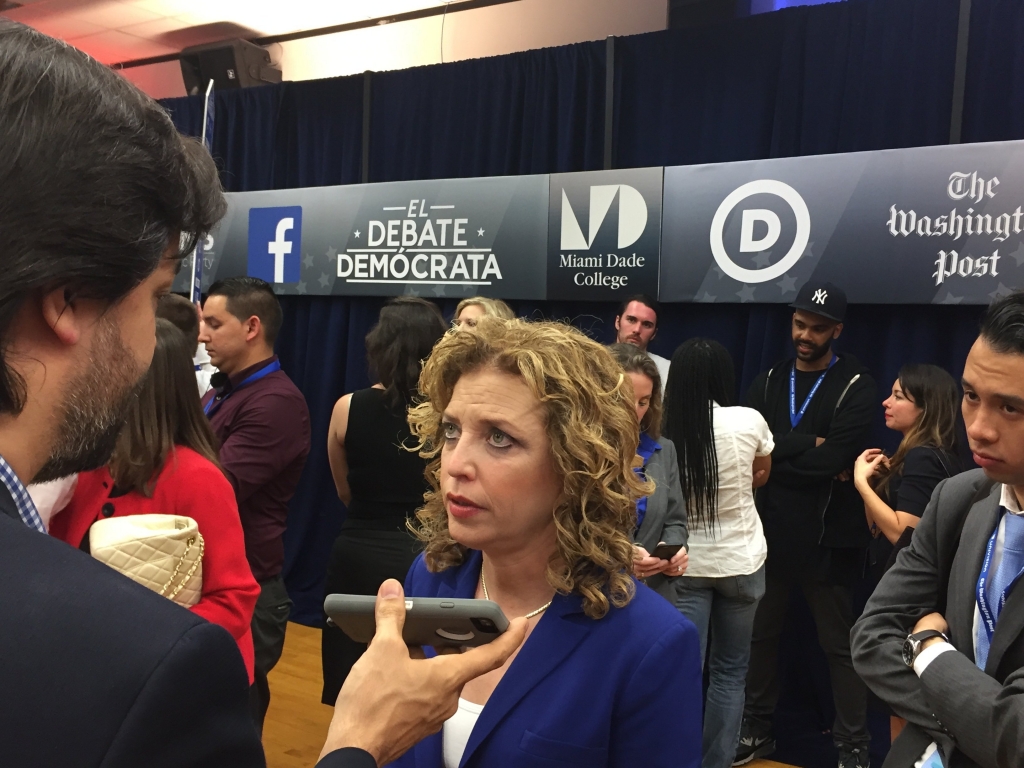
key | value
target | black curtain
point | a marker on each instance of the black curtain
(994, 98)
(857, 75)
(840, 77)
(534, 112)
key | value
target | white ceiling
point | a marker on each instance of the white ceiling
(122, 30)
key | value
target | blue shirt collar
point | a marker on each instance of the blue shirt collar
(648, 445)
(26, 507)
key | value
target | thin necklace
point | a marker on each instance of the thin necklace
(530, 615)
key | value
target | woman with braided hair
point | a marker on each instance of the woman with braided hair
(724, 452)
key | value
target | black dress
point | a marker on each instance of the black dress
(387, 484)
(910, 490)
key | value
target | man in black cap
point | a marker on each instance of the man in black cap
(819, 406)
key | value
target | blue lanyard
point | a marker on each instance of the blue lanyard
(988, 620)
(214, 404)
(794, 415)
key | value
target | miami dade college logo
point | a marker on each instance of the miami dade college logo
(275, 243)
(632, 217)
(604, 233)
(751, 244)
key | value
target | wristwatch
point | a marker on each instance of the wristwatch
(912, 645)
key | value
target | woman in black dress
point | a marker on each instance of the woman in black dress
(923, 406)
(380, 482)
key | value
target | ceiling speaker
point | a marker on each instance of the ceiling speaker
(230, 64)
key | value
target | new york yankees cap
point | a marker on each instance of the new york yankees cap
(825, 299)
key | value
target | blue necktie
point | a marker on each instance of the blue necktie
(1010, 565)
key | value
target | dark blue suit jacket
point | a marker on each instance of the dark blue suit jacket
(97, 671)
(615, 693)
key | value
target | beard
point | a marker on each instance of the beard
(813, 353)
(94, 408)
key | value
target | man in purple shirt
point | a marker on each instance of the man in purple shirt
(262, 422)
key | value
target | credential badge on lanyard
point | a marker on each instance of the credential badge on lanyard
(216, 402)
(794, 415)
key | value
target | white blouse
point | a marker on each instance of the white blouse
(457, 730)
(736, 545)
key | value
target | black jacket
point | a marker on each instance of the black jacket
(802, 506)
(96, 670)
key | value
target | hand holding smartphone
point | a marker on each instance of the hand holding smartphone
(666, 551)
(435, 621)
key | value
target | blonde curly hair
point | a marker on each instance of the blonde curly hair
(591, 424)
(492, 307)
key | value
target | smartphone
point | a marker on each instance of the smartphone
(666, 551)
(436, 621)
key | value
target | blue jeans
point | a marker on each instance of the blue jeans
(726, 606)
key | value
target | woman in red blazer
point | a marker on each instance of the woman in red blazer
(165, 462)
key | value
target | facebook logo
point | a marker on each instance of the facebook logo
(275, 243)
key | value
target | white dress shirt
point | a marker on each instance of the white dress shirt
(204, 369)
(735, 546)
(663, 365)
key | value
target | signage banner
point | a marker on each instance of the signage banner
(929, 225)
(449, 237)
(604, 234)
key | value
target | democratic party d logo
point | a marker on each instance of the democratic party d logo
(275, 243)
(752, 216)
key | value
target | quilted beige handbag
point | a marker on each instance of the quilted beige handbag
(162, 552)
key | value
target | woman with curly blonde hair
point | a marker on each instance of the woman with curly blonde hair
(470, 310)
(532, 433)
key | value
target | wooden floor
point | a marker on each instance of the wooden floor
(297, 722)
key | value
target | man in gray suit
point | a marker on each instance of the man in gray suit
(942, 638)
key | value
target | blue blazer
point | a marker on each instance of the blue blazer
(615, 693)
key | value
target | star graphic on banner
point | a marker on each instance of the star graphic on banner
(357, 234)
(1001, 291)
(1018, 255)
(324, 280)
(808, 251)
(439, 290)
(412, 290)
(746, 293)
(332, 254)
(787, 284)
(707, 297)
(718, 270)
(308, 261)
(301, 287)
(480, 232)
(763, 259)
(951, 299)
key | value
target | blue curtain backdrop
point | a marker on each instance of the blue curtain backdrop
(536, 112)
(858, 75)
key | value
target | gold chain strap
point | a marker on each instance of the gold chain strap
(177, 567)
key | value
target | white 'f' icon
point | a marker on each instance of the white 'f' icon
(280, 247)
(819, 295)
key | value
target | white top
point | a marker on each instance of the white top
(204, 369)
(1009, 501)
(736, 545)
(457, 730)
(662, 364)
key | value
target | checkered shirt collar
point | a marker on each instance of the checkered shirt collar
(26, 507)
